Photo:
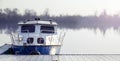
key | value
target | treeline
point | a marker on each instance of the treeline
(9, 19)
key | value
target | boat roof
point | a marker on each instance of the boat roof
(38, 22)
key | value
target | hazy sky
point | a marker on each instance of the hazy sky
(71, 7)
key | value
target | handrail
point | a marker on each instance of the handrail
(12, 38)
(61, 38)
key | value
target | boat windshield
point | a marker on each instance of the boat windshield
(27, 28)
(47, 29)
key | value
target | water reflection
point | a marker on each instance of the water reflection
(92, 41)
(86, 41)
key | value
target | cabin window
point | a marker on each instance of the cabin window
(40, 41)
(47, 29)
(30, 40)
(27, 28)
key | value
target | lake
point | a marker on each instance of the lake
(85, 41)
(88, 44)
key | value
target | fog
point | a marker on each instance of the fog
(10, 17)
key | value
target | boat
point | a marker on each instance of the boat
(35, 37)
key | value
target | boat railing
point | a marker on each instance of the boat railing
(12, 38)
(61, 37)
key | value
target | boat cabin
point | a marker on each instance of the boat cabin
(36, 32)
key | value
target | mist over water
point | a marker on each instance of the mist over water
(10, 17)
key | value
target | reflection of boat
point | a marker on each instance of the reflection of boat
(34, 37)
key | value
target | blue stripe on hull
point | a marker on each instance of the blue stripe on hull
(26, 50)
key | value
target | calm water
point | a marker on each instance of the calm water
(85, 41)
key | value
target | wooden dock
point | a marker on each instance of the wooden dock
(62, 57)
